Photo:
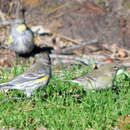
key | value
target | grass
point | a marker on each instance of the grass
(65, 105)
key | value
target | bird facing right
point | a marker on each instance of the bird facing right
(101, 78)
(37, 76)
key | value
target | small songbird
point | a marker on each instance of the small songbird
(101, 78)
(21, 38)
(37, 76)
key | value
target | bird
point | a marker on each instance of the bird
(99, 79)
(21, 38)
(37, 76)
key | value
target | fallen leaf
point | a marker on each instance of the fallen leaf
(108, 60)
(122, 53)
(123, 123)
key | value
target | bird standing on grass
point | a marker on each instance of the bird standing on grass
(37, 76)
(101, 78)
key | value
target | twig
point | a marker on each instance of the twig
(65, 61)
(67, 12)
(6, 23)
(68, 38)
(17, 9)
(2, 16)
(86, 61)
(62, 6)
(82, 45)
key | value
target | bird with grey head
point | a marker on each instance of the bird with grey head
(37, 76)
(21, 38)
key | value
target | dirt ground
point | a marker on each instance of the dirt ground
(72, 23)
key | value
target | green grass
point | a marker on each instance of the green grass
(57, 107)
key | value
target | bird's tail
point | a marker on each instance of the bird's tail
(73, 81)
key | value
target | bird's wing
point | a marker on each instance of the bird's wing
(23, 79)
(26, 77)
(28, 34)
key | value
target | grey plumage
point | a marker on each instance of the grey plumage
(21, 38)
(38, 75)
(21, 41)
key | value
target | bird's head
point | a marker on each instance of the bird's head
(109, 67)
(43, 58)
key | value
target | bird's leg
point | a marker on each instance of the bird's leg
(28, 93)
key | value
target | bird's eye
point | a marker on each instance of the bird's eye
(115, 67)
